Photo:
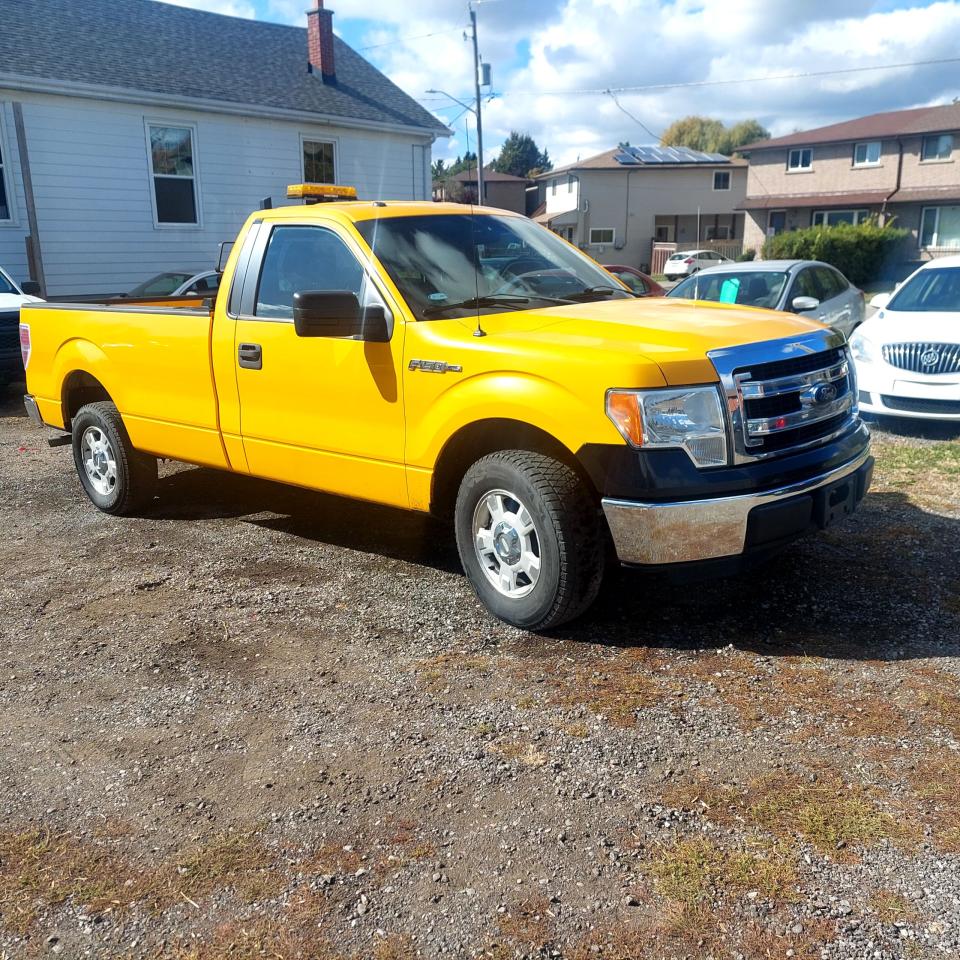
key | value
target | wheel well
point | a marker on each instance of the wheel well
(79, 389)
(476, 440)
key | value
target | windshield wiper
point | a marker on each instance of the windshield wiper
(492, 300)
(601, 290)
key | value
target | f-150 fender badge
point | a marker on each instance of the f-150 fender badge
(435, 366)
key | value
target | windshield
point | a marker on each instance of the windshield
(935, 289)
(453, 265)
(6, 285)
(752, 288)
(161, 285)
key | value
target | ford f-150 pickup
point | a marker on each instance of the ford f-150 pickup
(438, 357)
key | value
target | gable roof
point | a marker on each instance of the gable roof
(169, 51)
(489, 176)
(607, 161)
(876, 126)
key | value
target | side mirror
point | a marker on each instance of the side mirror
(803, 304)
(881, 300)
(31, 288)
(337, 313)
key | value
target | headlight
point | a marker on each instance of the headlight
(861, 348)
(690, 418)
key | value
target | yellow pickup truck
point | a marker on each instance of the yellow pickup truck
(466, 361)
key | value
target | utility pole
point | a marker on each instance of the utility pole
(476, 80)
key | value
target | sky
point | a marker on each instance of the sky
(552, 60)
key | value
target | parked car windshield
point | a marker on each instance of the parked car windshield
(752, 288)
(453, 265)
(163, 284)
(6, 285)
(934, 289)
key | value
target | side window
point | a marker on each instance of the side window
(825, 283)
(806, 285)
(302, 258)
(633, 282)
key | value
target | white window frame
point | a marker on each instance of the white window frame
(5, 167)
(868, 163)
(729, 185)
(553, 187)
(149, 122)
(859, 215)
(936, 244)
(603, 243)
(936, 136)
(304, 137)
(798, 169)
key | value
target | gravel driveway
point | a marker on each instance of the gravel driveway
(259, 722)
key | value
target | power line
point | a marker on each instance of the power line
(419, 36)
(718, 83)
(623, 109)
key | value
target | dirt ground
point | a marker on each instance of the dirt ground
(259, 722)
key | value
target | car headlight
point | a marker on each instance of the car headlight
(861, 348)
(690, 418)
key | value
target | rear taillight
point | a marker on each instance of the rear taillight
(688, 261)
(25, 343)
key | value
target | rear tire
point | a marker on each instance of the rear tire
(118, 479)
(529, 534)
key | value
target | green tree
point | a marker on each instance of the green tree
(521, 157)
(711, 136)
(439, 169)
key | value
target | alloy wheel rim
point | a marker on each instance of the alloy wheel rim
(507, 543)
(99, 461)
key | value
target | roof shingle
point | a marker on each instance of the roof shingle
(157, 48)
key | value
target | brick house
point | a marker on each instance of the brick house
(904, 165)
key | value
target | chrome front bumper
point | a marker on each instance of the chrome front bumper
(681, 532)
(33, 411)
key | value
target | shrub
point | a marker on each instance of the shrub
(861, 253)
(748, 254)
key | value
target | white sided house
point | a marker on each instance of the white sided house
(135, 136)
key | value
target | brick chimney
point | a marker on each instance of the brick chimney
(320, 41)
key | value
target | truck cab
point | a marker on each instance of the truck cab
(465, 361)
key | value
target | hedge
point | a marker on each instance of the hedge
(861, 253)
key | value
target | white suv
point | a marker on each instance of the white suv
(12, 297)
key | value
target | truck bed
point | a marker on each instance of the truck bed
(152, 357)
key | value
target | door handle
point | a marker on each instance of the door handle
(250, 356)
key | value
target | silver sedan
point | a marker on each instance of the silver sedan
(806, 287)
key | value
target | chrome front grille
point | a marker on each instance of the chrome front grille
(929, 358)
(784, 395)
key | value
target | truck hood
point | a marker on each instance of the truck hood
(675, 334)
(14, 301)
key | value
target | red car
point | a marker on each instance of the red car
(639, 283)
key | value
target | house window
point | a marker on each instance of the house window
(318, 161)
(937, 147)
(721, 232)
(940, 227)
(569, 184)
(866, 154)
(721, 179)
(801, 159)
(776, 222)
(174, 186)
(600, 235)
(553, 188)
(830, 218)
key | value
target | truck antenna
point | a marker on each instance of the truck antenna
(479, 332)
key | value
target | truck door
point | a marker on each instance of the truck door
(320, 412)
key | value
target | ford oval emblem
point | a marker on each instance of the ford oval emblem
(825, 393)
(930, 358)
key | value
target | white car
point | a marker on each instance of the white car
(908, 353)
(682, 264)
(177, 283)
(12, 297)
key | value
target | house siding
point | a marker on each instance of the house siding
(13, 253)
(93, 187)
(631, 201)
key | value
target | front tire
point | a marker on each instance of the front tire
(530, 538)
(118, 479)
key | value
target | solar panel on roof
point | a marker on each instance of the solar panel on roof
(655, 154)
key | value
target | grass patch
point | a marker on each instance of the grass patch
(890, 906)
(699, 870)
